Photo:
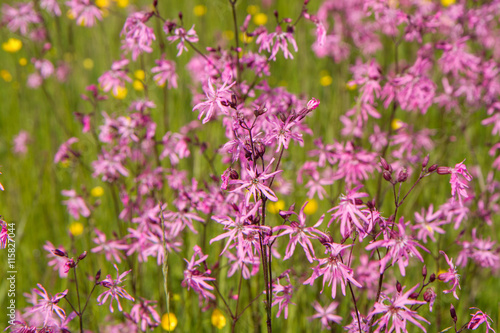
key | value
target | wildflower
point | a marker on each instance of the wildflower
(255, 183)
(165, 70)
(180, 33)
(278, 40)
(20, 143)
(144, 315)
(114, 290)
(400, 248)
(478, 318)
(285, 298)
(109, 166)
(484, 252)
(97, 191)
(48, 304)
(138, 36)
(451, 276)
(299, 233)
(12, 45)
(458, 187)
(75, 203)
(333, 270)
(20, 17)
(115, 78)
(395, 308)
(76, 228)
(57, 261)
(326, 314)
(196, 280)
(64, 151)
(85, 12)
(169, 322)
(282, 132)
(51, 6)
(218, 319)
(216, 98)
(428, 223)
(349, 213)
(4, 234)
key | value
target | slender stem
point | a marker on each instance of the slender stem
(79, 304)
(235, 25)
(223, 299)
(165, 261)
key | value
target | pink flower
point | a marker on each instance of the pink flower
(20, 17)
(85, 12)
(20, 143)
(51, 6)
(299, 233)
(76, 205)
(285, 298)
(349, 213)
(333, 270)
(48, 304)
(216, 98)
(138, 36)
(400, 247)
(165, 70)
(115, 291)
(180, 33)
(458, 187)
(396, 309)
(283, 131)
(4, 234)
(451, 276)
(64, 151)
(478, 318)
(58, 262)
(196, 280)
(110, 248)
(427, 224)
(255, 183)
(116, 77)
(109, 166)
(144, 315)
(326, 314)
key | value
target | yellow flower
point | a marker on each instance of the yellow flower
(23, 61)
(252, 9)
(121, 93)
(228, 34)
(275, 207)
(12, 45)
(325, 80)
(169, 322)
(176, 297)
(312, 207)
(139, 74)
(138, 85)
(218, 319)
(70, 14)
(102, 3)
(447, 3)
(199, 10)
(88, 63)
(76, 228)
(260, 19)
(5, 75)
(122, 3)
(351, 85)
(97, 191)
(396, 124)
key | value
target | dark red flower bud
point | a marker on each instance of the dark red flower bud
(424, 271)
(432, 168)
(82, 256)
(180, 16)
(358, 201)
(403, 175)
(444, 170)
(387, 176)
(453, 313)
(59, 253)
(98, 275)
(384, 164)
(233, 174)
(413, 295)
(425, 161)
(432, 278)
(429, 295)
(370, 204)
(398, 287)
(260, 111)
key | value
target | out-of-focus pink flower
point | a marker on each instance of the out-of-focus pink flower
(51, 6)
(138, 36)
(75, 203)
(20, 143)
(85, 12)
(196, 280)
(65, 152)
(111, 248)
(451, 276)
(115, 78)
(180, 33)
(478, 318)
(326, 314)
(282, 296)
(20, 17)
(165, 71)
(48, 304)
(458, 187)
(144, 315)
(216, 98)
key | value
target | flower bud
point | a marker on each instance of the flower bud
(384, 164)
(429, 295)
(98, 275)
(82, 256)
(59, 253)
(432, 168)
(443, 170)
(358, 201)
(260, 111)
(432, 278)
(312, 104)
(398, 287)
(425, 161)
(424, 271)
(387, 176)
(403, 175)
(233, 174)
(453, 313)
(260, 149)
(413, 295)
(370, 204)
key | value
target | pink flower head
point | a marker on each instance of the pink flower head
(282, 296)
(349, 213)
(4, 234)
(216, 98)
(180, 33)
(458, 187)
(451, 276)
(115, 291)
(138, 36)
(48, 304)
(20, 143)
(85, 12)
(20, 17)
(75, 203)
(144, 315)
(116, 77)
(326, 314)
(478, 318)
(396, 309)
(255, 183)
(196, 280)
(64, 152)
(165, 71)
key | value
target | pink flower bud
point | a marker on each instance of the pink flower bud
(82, 256)
(444, 170)
(425, 161)
(453, 313)
(384, 164)
(433, 168)
(312, 104)
(398, 286)
(403, 175)
(387, 175)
